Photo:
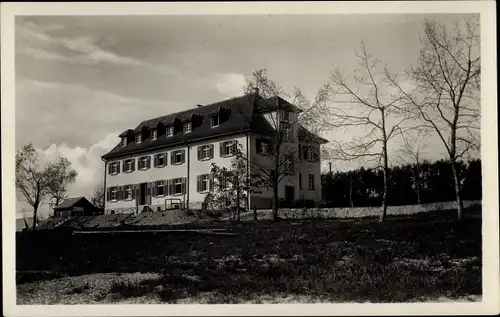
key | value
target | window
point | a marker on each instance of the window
(155, 134)
(311, 181)
(287, 131)
(177, 157)
(128, 192)
(300, 180)
(138, 138)
(144, 162)
(225, 182)
(124, 141)
(129, 165)
(215, 121)
(170, 131)
(263, 146)
(205, 152)
(178, 186)
(187, 127)
(228, 148)
(286, 116)
(114, 168)
(203, 183)
(160, 160)
(114, 193)
(160, 188)
(288, 166)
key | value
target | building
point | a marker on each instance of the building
(168, 159)
(25, 223)
(78, 206)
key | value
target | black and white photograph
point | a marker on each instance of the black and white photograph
(239, 153)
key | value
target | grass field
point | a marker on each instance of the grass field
(424, 257)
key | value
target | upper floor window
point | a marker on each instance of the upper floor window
(144, 162)
(286, 116)
(287, 131)
(154, 135)
(113, 193)
(205, 152)
(215, 121)
(170, 131)
(124, 141)
(177, 157)
(129, 165)
(263, 146)
(160, 160)
(114, 168)
(288, 166)
(225, 181)
(138, 138)
(187, 127)
(311, 181)
(228, 148)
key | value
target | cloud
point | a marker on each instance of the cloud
(230, 84)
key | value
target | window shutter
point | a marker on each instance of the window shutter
(183, 185)
(211, 182)
(134, 188)
(155, 189)
(171, 190)
(221, 149)
(199, 153)
(148, 162)
(133, 164)
(198, 183)
(118, 167)
(108, 194)
(156, 160)
(211, 151)
(172, 157)
(109, 168)
(183, 156)
(235, 146)
(166, 159)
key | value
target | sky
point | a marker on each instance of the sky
(82, 80)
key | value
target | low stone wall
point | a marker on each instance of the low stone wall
(356, 212)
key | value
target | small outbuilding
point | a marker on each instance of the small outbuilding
(78, 206)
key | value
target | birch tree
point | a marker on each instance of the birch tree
(446, 99)
(365, 103)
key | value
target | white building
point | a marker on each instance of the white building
(169, 158)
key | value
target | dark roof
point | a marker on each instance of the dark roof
(70, 202)
(305, 134)
(245, 115)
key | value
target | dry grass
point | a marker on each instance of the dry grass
(402, 260)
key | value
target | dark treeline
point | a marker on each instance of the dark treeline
(409, 184)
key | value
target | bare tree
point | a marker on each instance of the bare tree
(446, 98)
(98, 197)
(61, 175)
(299, 117)
(365, 102)
(412, 149)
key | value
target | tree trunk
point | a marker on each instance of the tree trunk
(275, 201)
(384, 195)
(460, 204)
(35, 214)
(238, 204)
(417, 182)
(350, 194)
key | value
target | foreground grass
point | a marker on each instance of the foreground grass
(406, 259)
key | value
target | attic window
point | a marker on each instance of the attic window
(124, 141)
(215, 121)
(170, 131)
(138, 138)
(155, 134)
(187, 127)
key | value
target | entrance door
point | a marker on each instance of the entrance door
(289, 194)
(142, 193)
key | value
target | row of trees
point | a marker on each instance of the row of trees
(408, 184)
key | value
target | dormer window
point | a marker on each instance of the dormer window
(187, 127)
(154, 135)
(170, 131)
(286, 116)
(124, 141)
(138, 138)
(215, 121)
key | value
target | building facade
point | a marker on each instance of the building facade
(165, 162)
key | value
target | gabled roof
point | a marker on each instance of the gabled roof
(245, 115)
(70, 202)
